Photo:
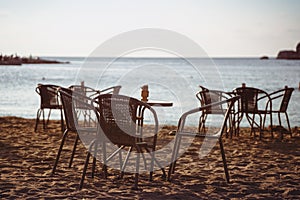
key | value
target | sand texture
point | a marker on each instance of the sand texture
(267, 168)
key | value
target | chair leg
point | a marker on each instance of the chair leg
(224, 160)
(153, 159)
(74, 150)
(261, 127)
(125, 162)
(62, 121)
(234, 125)
(145, 162)
(230, 126)
(202, 121)
(152, 154)
(104, 160)
(279, 119)
(177, 152)
(271, 124)
(251, 122)
(86, 165)
(94, 159)
(288, 123)
(174, 155)
(199, 125)
(38, 115)
(120, 159)
(48, 118)
(137, 168)
(238, 121)
(264, 120)
(59, 150)
(84, 170)
(44, 123)
(280, 125)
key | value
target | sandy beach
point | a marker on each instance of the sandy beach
(267, 168)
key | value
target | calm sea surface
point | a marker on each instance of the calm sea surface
(170, 79)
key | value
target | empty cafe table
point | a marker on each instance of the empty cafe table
(159, 103)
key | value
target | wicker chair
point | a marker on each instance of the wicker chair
(49, 100)
(253, 102)
(72, 102)
(85, 90)
(111, 90)
(91, 92)
(181, 132)
(206, 97)
(121, 120)
(281, 99)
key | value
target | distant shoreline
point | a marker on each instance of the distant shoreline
(16, 60)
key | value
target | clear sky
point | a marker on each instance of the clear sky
(223, 28)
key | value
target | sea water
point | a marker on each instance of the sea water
(169, 79)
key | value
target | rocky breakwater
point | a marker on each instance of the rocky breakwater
(290, 54)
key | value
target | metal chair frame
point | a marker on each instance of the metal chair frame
(218, 135)
(206, 97)
(121, 120)
(284, 96)
(70, 101)
(49, 100)
(253, 102)
(91, 93)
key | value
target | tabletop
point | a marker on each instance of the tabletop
(159, 103)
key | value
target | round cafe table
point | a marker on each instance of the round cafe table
(159, 103)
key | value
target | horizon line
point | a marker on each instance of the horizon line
(190, 57)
